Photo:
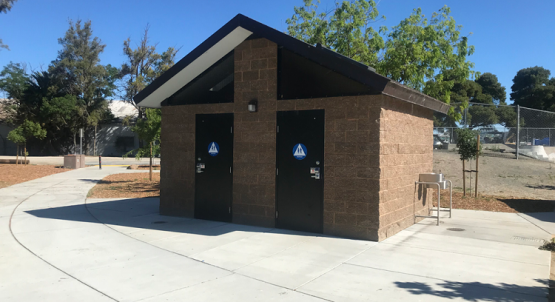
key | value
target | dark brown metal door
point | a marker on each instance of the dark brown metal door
(300, 170)
(213, 166)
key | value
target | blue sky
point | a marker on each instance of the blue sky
(508, 35)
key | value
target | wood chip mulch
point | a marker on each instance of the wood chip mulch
(495, 203)
(127, 185)
(11, 174)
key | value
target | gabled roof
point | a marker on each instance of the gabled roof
(239, 29)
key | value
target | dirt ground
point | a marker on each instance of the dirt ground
(498, 176)
(14, 174)
(127, 185)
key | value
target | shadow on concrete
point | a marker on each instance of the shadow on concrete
(541, 187)
(143, 213)
(529, 205)
(543, 216)
(477, 291)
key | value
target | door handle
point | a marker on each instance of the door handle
(315, 172)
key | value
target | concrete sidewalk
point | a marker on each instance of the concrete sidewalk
(89, 160)
(67, 248)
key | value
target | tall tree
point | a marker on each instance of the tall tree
(418, 52)
(47, 102)
(533, 88)
(345, 28)
(5, 7)
(78, 66)
(490, 93)
(143, 65)
(14, 81)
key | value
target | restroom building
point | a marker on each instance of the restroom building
(263, 129)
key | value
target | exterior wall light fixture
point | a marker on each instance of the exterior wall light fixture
(253, 106)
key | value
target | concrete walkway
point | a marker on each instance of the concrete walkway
(57, 246)
(89, 160)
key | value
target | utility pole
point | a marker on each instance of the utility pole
(81, 140)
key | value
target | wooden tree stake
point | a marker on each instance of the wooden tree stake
(464, 180)
(150, 169)
(477, 157)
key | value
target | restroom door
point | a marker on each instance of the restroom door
(300, 170)
(213, 166)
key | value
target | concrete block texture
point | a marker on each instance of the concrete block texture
(405, 151)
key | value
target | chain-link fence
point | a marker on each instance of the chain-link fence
(505, 131)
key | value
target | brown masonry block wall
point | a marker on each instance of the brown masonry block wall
(254, 156)
(406, 150)
(351, 162)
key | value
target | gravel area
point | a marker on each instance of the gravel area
(127, 185)
(504, 177)
(14, 174)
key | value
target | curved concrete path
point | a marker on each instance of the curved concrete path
(57, 246)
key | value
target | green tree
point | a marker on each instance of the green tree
(23, 133)
(47, 102)
(5, 7)
(18, 139)
(148, 129)
(467, 144)
(533, 88)
(144, 64)
(487, 91)
(345, 29)
(14, 81)
(418, 52)
(78, 66)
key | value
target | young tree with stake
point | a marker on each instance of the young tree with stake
(25, 131)
(148, 130)
(469, 148)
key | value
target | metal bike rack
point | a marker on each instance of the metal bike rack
(433, 180)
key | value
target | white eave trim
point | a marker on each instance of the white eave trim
(198, 66)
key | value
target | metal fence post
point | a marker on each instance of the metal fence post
(517, 130)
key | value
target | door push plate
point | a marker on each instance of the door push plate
(200, 167)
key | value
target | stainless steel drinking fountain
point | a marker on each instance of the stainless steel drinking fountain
(438, 181)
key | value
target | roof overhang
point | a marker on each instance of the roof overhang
(171, 81)
(238, 30)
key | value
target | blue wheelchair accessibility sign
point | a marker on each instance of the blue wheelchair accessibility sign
(299, 151)
(213, 148)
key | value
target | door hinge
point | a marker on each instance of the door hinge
(277, 171)
(276, 214)
(231, 129)
(229, 169)
(277, 129)
(229, 210)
